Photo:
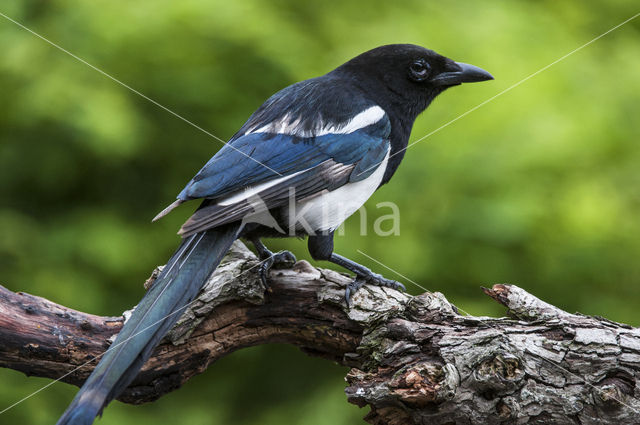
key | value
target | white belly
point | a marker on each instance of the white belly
(326, 211)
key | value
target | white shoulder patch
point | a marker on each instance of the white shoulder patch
(289, 126)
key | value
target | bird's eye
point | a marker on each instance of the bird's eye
(419, 70)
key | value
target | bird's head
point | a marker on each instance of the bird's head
(407, 76)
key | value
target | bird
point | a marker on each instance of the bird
(304, 161)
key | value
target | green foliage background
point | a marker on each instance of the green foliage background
(540, 187)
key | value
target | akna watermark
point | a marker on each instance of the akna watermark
(313, 215)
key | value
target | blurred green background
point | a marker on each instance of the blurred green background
(540, 187)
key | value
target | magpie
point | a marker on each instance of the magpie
(306, 159)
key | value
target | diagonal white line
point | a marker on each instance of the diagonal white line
(135, 91)
(392, 270)
(508, 89)
(120, 343)
(508, 341)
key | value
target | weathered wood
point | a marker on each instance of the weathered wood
(414, 360)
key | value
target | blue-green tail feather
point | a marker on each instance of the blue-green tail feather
(160, 308)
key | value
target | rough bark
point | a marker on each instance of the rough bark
(414, 360)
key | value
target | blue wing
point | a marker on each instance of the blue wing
(259, 157)
(279, 163)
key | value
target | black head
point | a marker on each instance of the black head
(407, 76)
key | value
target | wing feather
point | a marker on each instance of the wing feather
(326, 176)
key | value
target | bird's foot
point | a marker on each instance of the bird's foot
(372, 279)
(282, 259)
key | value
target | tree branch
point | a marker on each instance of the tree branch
(413, 360)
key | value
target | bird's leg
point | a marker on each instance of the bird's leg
(363, 275)
(269, 260)
(321, 248)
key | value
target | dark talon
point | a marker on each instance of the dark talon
(352, 288)
(282, 259)
(372, 279)
(264, 270)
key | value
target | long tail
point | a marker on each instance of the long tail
(160, 308)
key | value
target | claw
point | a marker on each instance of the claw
(373, 279)
(281, 259)
(264, 270)
(352, 288)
